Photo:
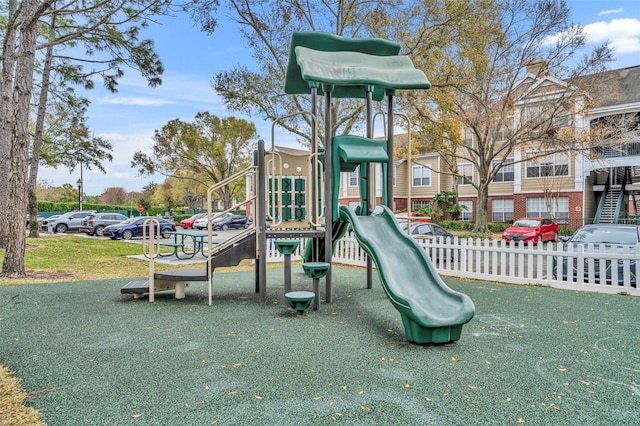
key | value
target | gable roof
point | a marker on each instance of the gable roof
(614, 87)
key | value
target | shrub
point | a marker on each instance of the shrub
(457, 225)
(497, 227)
(177, 218)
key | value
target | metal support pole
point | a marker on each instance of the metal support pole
(287, 273)
(328, 196)
(260, 221)
(370, 189)
(316, 291)
(313, 185)
(79, 183)
(391, 165)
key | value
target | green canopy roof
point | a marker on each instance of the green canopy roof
(347, 67)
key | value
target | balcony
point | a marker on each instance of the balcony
(616, 151)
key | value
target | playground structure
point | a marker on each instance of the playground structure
(294, 195)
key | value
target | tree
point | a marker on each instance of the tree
(267, 26)
(124, 47)
(145, 199)
(67, 143)
(99, 26)
(178, 191)
(495, 94)
(114, 195)
(168, 195)
(46, 191)
(16, 135)
(204, 152)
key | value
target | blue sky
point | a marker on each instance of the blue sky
(128, 118)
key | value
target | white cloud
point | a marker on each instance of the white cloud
(610, 12)
(133, 100)
(178, 89)
(622, 34)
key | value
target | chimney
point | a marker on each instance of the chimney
(537, 67)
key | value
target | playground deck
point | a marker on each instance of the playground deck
(531, 355)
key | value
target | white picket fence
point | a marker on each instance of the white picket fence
(498, 261)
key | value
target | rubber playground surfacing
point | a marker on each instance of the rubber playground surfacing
(531, 355)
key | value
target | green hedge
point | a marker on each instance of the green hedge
(465, 225)
(457, 225)
(177, 218)
(498, 227)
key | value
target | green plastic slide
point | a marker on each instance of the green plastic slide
(431, 312)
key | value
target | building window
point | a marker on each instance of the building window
(354, 177)
(533, 112)
(467, 138)
(559, 206)
(421, 176)
(417, 205)
(249, 181)
(466, 213)
(505, 174)
(465, 172)
(551, 165)
(502, 210)
(561, 121)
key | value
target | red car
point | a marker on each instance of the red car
(415, 217)
(535, 229)
(188, 223)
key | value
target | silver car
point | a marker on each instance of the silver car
(67, 222)
(94, 224)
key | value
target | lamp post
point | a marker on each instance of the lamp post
(79, 182)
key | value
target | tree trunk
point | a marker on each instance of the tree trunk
(482, 226)
(34, 226)
(6, 114)
(19, 152)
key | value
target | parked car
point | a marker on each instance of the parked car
(188, 223)
(39, 219)
(604, 237)
(224, 222)
(415, 217)
(230, 221)
(427, 230)
(66, 222)
(534, 229)
(201, 223)
(44, 225)
(95, 223)
(133, 227)
(430, 231)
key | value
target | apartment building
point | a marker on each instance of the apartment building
(599, 184)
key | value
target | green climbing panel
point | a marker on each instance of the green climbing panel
(291, 205)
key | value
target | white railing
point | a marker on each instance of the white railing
(499, 261)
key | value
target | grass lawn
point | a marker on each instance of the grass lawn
(72, 257)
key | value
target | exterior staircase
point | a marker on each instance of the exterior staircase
(634, 174)
(634, 195)
(610, 205)
(612, 201)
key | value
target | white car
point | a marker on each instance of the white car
(201, 223)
